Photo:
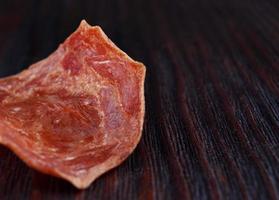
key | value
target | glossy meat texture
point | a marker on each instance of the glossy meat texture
(77, 113)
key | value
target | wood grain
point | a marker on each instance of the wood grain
(212, 95)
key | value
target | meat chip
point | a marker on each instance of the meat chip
(77, 113)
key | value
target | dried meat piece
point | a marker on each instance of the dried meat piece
(77, 113)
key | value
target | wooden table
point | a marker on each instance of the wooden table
(212, 95)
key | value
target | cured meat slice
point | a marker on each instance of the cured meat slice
(77, 113)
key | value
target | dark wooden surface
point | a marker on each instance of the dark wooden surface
(212, 95)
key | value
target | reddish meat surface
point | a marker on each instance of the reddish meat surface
(77, 113)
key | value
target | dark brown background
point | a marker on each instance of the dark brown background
(211, 125)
